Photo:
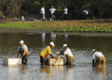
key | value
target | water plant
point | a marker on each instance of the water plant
(83, 29)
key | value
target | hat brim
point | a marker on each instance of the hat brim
(20, 43)
(53, 45)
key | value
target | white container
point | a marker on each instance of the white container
(53, 61)
(12, 61)
(22, 18)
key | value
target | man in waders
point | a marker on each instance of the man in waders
(45, 52)
(23, 50)
(98, 58)
(69, 56)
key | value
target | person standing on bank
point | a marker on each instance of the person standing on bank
(43, 12)
(69, 56)
(23, 50)
(45, 52)
(86, 12)
(65, 13)
(98, 58)
(52, 9)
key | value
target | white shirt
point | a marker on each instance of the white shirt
(65, 11)
(85, 11)
(52, 10)
(97, 54)
(43, 10)
(24, 47)
(68, 51)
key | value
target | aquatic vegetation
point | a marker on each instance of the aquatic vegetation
(83, 29)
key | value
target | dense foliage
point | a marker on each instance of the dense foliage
(96, 8)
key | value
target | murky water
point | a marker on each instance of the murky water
(81, 47)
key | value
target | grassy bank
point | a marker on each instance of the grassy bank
(101, 25)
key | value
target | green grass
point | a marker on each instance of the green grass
(19, 25)
(46, 26)
(26, 25)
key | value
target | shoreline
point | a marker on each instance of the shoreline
(36, 31)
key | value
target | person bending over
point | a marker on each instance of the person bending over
(45, 52)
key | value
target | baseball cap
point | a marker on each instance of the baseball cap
(21, 42)
(64, 45)
(52, 43)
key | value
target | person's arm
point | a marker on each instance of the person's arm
(50, 53)
(40, 12)
(61, 52)
(55, 10)
(53, 56)
(18, 52)
(93, 62)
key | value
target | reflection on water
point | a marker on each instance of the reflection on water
(13, 72)
(66, 35)
(69, 72)
(99, 74)
(24, 69)
(43, 39)
(63, 72)
(46, 69)
(53, 37)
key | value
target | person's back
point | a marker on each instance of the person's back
(97, 54)
(98, 58)
(86, 11)
(68, 52)
(65, 11)
(52, 10)
(43, 10)
(45, 52)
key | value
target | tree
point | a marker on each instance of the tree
(10, 8)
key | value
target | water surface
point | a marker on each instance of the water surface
(81, 47)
